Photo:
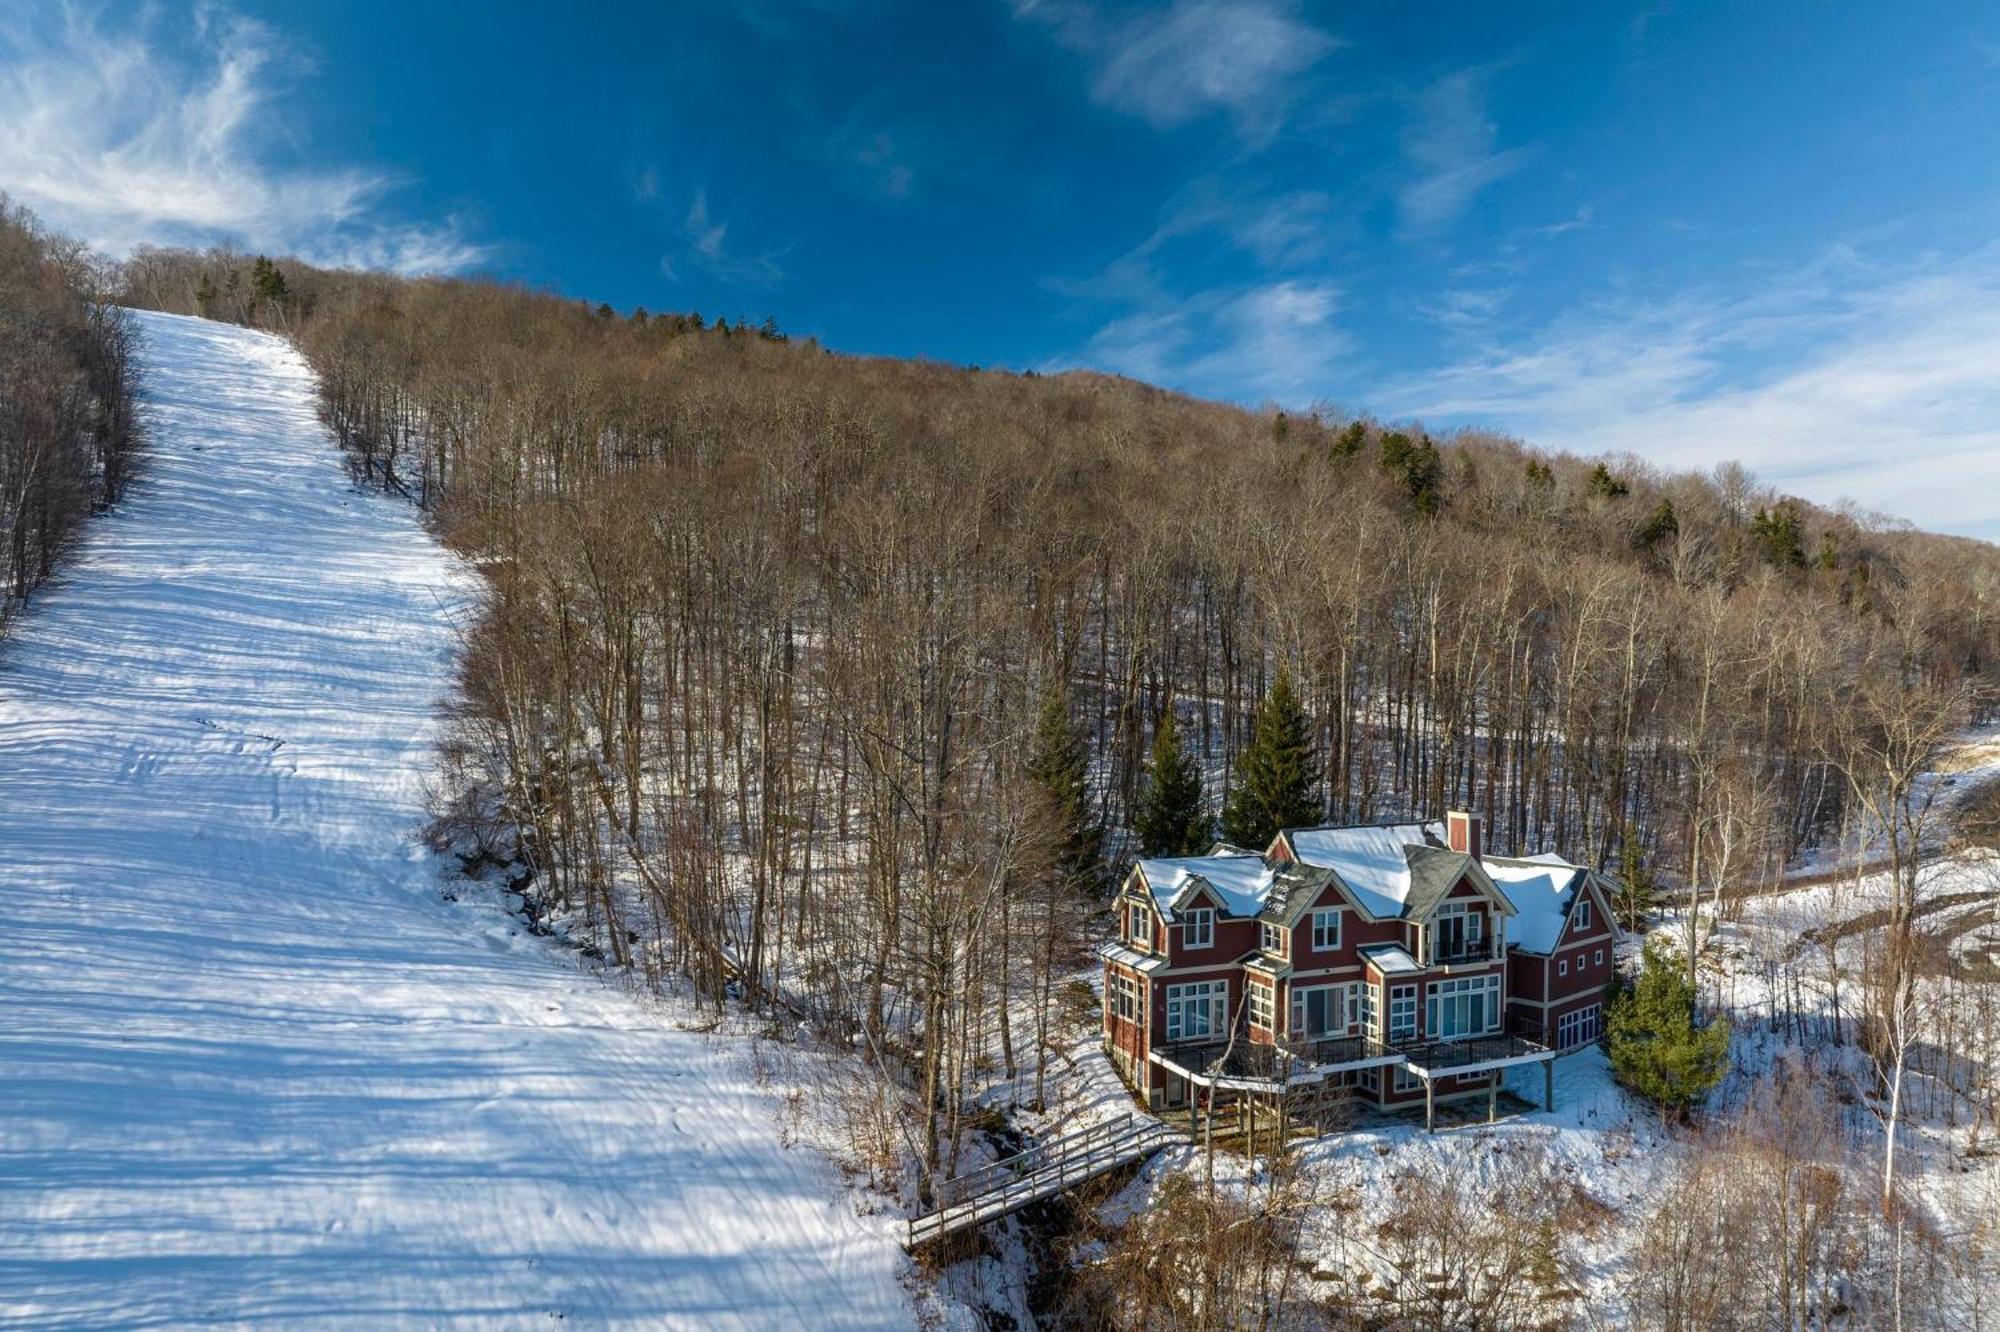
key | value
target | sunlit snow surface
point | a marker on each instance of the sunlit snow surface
(252, 1067)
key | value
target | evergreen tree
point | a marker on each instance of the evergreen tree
(1781, 532)
(267, 282)
(1275, 774)
(1059, 768)
(1662, 526)
(1636, 889)
(1540, 475)
(1172, 819)
(1607, 485)
(1657, 1048)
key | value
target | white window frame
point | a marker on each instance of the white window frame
(1562, 966)
(1582, 914)
(1274, 939)
(1597, 958)
(1139, 927)
(1263, 1005)
(1403, 1013)
(1325, 940)
(1123, 998)
(1198, 928)
(1343, 1003)
(1405, 1081)
(1206, 999)
(1371, 1012)
(1473, 997)
(1580, 1027)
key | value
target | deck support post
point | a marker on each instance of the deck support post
(1549, 1085)
(1493, 1096)
(1430, 1106)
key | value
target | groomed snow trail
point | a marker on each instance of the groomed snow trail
(253, 1069)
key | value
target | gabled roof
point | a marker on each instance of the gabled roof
(1541, 889)
(1371, 861)
(1238, 880)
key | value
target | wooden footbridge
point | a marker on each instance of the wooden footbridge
(1042, 1171)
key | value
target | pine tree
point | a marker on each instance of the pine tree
(1663, 525)
(1172, 819)
(1059, 768)
(1657, 1048)
(267, 281)
(1275, 774)
(1607, 485)
(1635, 886)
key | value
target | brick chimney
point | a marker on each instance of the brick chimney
(1462, 833)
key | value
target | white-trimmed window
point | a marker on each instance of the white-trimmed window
(1467, 1006)
(1123, 997)
(1369, 1079)
(1326, 931)
(1198, 928)
(1582, 915)
(1322, 1011)
(1457, 930)
(1403, 1013)
(1261, 1006)
(1579, 1028)
(1139, 926)
(1371, 1021)
(1275, 939)
(1562, 966)
(1597, 958)
(1406, 1081)
(1197, 1010)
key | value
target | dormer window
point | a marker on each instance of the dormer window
(1275, 938)
(1326, 931)
(1139, 926)
(1582, 914)
(1198, 928)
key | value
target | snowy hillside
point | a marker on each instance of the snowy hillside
(252, 1065)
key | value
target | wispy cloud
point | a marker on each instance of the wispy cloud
(1842, 379)
(1173, 64)
(110, 140)
(1276, 341)
(1451, 150)
(708, 249)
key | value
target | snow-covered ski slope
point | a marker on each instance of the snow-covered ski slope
(253, 1068)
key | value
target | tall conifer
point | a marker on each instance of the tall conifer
(1172, 819)
(1276, 773)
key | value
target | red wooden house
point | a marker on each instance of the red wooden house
(1397, 964)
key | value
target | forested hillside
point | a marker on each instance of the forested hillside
(66, 430)
(773, 631)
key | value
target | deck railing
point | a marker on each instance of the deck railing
(1041, 1172)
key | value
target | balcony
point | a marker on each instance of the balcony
(1464, 952)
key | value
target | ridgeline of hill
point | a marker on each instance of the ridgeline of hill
(774, 633)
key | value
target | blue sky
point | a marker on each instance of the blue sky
(1687, 231)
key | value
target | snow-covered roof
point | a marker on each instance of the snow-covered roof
(1240, 882)
(1112, 951)
(1541, 888)
(1372, 860)
(1390, 959)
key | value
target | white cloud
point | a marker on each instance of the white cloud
(1846, 379)
(708, 249)
(1451, 148)
(1171, 65)
(107, 139)
(1277, 341)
